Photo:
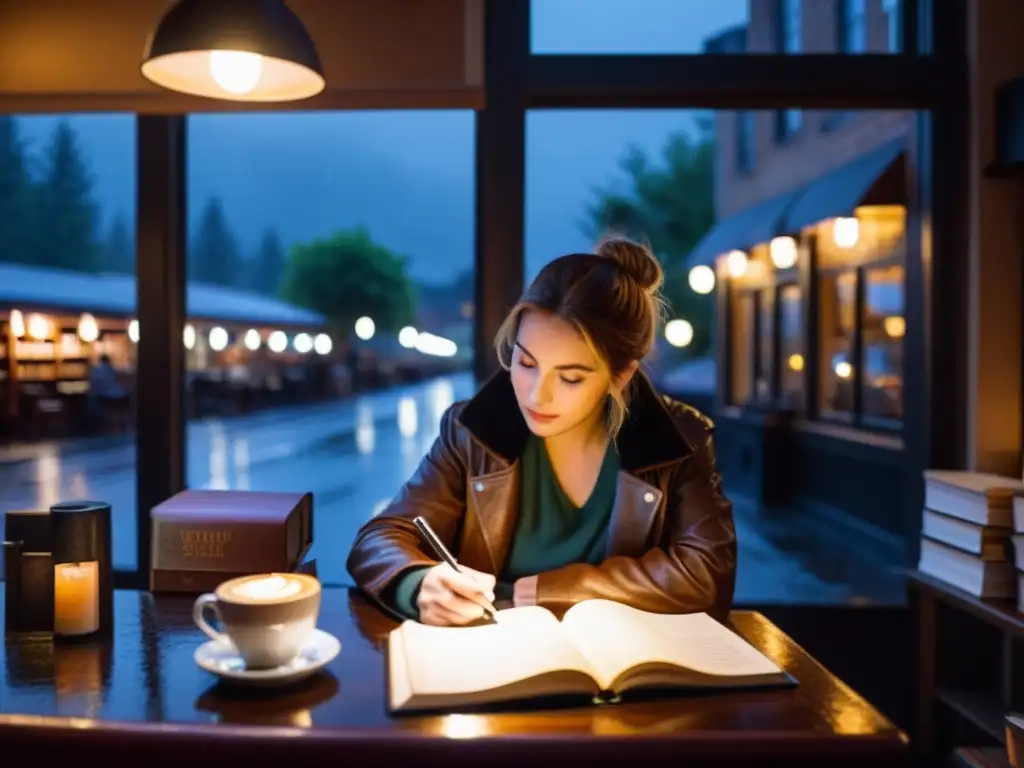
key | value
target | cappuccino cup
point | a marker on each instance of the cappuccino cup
(268, 618)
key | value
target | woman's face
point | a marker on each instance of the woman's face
(559, 382)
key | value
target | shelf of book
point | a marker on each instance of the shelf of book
(970, 667)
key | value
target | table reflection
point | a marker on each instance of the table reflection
(247, 706)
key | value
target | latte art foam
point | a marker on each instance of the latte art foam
(269, 588)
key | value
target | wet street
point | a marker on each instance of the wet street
(354, 455)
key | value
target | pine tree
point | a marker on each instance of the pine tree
(68, 216)
(213, 253)
(119, 248)
(269, 266)
(15, 196)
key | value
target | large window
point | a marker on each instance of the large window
(699, 26)
(807, 272)
(645, 173)
(330, 301)
(835, 208)
(67, 300)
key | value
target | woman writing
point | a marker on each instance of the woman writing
(566, 477)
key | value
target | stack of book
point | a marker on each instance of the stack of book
(967, 531)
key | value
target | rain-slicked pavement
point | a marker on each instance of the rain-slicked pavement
(353, 455)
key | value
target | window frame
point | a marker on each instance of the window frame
(926, 75)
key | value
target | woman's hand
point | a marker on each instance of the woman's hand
(453, 598)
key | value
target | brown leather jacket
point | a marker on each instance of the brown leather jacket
(671, 542)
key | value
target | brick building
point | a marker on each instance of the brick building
(807, 251)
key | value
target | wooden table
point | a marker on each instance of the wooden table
(142, 697)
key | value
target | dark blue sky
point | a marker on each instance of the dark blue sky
(408, 176)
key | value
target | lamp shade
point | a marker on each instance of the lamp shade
(239, 50)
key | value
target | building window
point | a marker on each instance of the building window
(837, 316)
(765, 346)
(790, 27)
(894, 19)
(741, 344)
(745, 141)
(788, 122)
(861, 321)
(822, 338)
(853, 26)
(751, 331)
(791, 348)
(883, 326)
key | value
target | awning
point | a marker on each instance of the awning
(757, 224)
(874, 178)
(27, 286)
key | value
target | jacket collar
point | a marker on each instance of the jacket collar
(648, 438)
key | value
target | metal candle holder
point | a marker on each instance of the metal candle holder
(83, 578)
(28, 572)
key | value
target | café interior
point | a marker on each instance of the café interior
(891, 685)
(242, 352)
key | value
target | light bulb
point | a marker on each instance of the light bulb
(702, 279)
(236, 72)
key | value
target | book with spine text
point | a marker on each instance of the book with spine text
(201, 538)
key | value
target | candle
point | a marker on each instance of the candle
(82, 571)
(76, 598)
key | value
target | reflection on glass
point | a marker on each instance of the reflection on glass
(242, 479)
(883, 327)
(365, 432)
(79, 674)
(408, 426)
(791, 348)
(837, 321)
(407, 417)
(67, 362)
(441, 396)
(218, 458)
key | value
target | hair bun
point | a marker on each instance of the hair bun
(636, 260)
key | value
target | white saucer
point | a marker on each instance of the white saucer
(224, 662)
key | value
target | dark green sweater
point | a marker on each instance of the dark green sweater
(551, 531)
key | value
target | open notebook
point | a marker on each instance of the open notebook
(600, 648)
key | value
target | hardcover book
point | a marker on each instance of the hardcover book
(599, 650)
(201, 538)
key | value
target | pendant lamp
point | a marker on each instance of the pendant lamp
(239, 50)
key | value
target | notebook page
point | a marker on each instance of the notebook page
(616, 637)
(702, 644)
(524, 643)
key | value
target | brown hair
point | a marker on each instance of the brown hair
(611, 296)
